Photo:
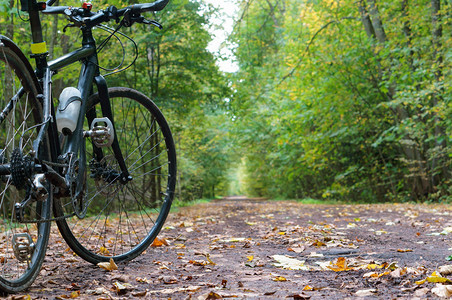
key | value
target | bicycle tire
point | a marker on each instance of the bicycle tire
(18, 130)
(122, 220)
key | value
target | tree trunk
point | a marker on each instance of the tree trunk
(374, 28)
(437, 161)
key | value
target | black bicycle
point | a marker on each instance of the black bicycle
(101, 163)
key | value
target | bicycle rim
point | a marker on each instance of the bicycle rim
(122, 220)
(22, 245)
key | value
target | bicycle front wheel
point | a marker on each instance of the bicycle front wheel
(24, 235)
(123, 219)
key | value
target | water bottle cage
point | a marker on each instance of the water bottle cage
(69, 101)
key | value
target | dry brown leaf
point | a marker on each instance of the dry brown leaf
(421, 292)
(159, 242)
(398, 272)
(139, 294)
(212, 295)
(299, 297)
(169, 279)
(443, 291)
(142, 280)
(296, 249)
(445, 270)
(121, 288)
(197, 262)
(74, 294)
(109, 266)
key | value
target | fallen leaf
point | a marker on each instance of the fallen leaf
(421, 292)
(398, 272)
(443, 291)
(289, 263)
(142, 280)
(139, 294)
(365, 293)
(121, 288)
(404, 250)
(250, 257)
(445, 270)
(211, 295)
(269, 293)
(279, 278)
(318, 243)
(435, 278)
(340, 265)
(380, 232)
(315, 254)
(296, 249)
(299, 297)
(308, 288)
(198, 262)
(209, 260)
(159, 242)
(109, 266)
(169, 279)
(74, 294)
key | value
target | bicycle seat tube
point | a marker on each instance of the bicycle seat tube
(89, 73)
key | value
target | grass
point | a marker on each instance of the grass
(178, 203)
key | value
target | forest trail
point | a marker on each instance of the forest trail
(259, 249)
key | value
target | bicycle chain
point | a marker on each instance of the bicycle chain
(47, 220)
(54, 164)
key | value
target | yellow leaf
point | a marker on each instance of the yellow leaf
(308, 288)
(250, 257)
(209, 260)
(435, 278)
(340, 265)
(419, 282)
(372, 266)
(279, 278)
(109, 266)
(75, 294)
(104, 250)
(404, 250)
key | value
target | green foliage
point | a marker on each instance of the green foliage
(324, 110)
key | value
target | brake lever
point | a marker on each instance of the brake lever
(67, 26)
(152, 22)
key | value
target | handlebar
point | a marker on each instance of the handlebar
(93, 19)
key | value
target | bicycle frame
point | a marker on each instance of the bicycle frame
(89, 73)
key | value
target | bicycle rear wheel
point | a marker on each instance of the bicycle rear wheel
(123, 219)
(22, 245)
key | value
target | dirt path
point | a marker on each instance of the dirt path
(256, 249)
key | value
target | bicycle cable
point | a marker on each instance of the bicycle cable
(19, 14)
(102, 45)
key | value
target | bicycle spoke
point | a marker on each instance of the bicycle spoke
(122, 217)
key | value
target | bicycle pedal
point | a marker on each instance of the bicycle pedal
(23, 246)
(101, 133)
